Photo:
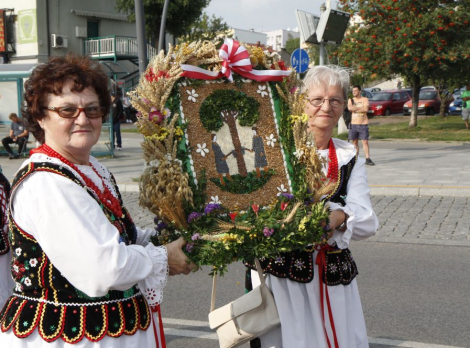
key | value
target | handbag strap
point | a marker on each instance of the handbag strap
(214, 282)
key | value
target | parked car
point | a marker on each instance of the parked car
(429, 103)
(408, 90)
(387, 102)
(367, 94)
(455, 108)
(372, 90)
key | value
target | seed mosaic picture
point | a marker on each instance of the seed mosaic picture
(233, 136)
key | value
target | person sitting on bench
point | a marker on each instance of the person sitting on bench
(18, 135)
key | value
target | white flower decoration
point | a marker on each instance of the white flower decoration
(192, 95)
(215, 200)
(271, 140)
(201, 149)
(27, 281)
(18, 251)
(281, 189)
(262, 91)
(18, 287)
(16, 268)
(33, 262)
(298, 154)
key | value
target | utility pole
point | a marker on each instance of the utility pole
(141, 42)
(161, 40)
(322, 44)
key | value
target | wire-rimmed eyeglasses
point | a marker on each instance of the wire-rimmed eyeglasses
(73, 112)
(317, 102)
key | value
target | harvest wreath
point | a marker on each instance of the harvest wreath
(229, 163)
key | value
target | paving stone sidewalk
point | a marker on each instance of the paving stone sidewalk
(403, 219)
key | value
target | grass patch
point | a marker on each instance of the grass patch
(240, 185)
(450, 128)
(129, 130)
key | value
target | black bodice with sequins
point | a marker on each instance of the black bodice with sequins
(45, 300)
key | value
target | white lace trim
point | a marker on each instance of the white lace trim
(102, 170)
(152, 286)
(76, 304)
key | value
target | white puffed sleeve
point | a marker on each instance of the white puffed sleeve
(362, 222)
(143, 236)
(79, 240)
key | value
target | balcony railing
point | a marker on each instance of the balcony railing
(114, 47)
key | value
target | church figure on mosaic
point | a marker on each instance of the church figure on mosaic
(220, 161)
(260, 155)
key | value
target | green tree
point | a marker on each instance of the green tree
(228, 106)
(292, 44)
(206, 28)
(182, 14)
(419, 40)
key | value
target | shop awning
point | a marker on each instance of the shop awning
(16, 70)
(113, 16)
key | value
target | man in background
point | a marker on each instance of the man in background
(18, 135)
(359, 129)
(117, 112)
(466, 105)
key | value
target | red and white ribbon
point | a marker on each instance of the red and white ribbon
(235, 58)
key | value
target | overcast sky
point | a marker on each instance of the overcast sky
(263, 15)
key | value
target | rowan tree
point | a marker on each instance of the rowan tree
(421, 40)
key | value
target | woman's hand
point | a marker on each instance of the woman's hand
(337, 218)
(177, 260)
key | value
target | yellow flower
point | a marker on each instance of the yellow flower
(179, 132)
(302, 224)
(302, 118)
(162, 134)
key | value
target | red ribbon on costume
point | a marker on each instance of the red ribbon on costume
(158, 338)
(321, 263)
(235, 58)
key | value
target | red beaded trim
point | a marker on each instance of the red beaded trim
(333, 165)
(105, 197)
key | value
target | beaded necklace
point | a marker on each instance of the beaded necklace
(106, 197)
(333, 165)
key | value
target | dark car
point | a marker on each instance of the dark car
(387, 102)
(429, 103)
(455, 108)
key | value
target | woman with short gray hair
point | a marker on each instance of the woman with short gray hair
(315, 289)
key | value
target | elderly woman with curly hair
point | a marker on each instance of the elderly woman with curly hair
(84, 273)
(315, 290)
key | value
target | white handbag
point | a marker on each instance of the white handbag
(246, 318)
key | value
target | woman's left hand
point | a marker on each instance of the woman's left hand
(337, 218)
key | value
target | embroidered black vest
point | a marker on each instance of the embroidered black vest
(4, 247)
(298, 264)
(44, 299)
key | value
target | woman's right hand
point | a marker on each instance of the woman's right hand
(177, 260)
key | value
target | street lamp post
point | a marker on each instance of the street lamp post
(322, 45)
(161, 39)
(141, 44)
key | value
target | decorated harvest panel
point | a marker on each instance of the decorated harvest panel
(233, 135)
(230, 166)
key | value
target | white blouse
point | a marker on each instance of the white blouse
(362, 219)
(81, 243)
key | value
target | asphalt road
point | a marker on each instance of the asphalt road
(414, 294)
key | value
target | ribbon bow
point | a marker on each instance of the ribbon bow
(235, 58)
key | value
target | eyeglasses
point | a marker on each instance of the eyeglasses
(317, 102)
(73, 112)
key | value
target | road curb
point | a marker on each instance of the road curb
(420, 191)
(374, 190)
(417, 240)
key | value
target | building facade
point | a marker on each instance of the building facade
(277, 38)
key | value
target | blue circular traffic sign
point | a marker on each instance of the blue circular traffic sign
(299, 60)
